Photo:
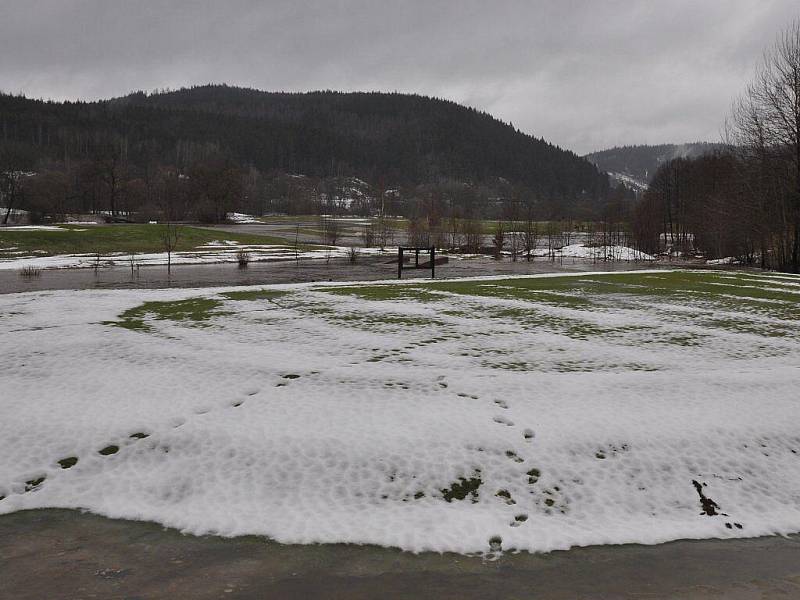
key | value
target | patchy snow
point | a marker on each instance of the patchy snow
(630, 181)
(217, 243)
(224, 251)
(728, 260)
(318, 417)
(354, 221)
(622, 253)
(235, 217)
(31, 228)
(214, 252)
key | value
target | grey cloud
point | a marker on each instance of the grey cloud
(583, 74)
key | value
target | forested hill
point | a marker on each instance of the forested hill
(397, 139)
(636, 165)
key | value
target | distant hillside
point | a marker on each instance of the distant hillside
(395, 139)
(635, 165)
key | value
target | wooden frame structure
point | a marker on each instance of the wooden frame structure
(431, 250)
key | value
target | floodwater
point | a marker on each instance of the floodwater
(289, 271)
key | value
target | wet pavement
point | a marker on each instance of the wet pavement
(56, 554)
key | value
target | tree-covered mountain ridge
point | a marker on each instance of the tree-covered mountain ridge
(387, 139)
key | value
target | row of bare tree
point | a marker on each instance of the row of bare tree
(744, 201)
(111, 186)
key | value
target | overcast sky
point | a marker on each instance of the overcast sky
(584, 74)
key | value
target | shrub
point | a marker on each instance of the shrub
(30, 271)
(243, 257)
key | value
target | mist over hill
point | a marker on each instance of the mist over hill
(635, 165)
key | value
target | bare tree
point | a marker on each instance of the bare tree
(515, 234)
(331, 229)
(453, 225)
(170, 232)
(169, 240)
(110, 167)
(418, 233)
(499, 238)
(10, 192)
(530, 231)
(765, 125)
(15, 159)
(384, 232)
(368, 235)
(554, 241)
(473, 235)
(218, 186)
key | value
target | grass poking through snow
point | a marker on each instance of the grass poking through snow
(195, 311)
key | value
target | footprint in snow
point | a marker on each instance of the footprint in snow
(514, 456)
(519, 520)
(33, 484)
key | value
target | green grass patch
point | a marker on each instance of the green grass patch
(459, 490)
(710, 301)
(195, 311)
(255, 295)
(734, 302)
(744, 326)
(125, 238)
(388, 322)
(583, 291)
(385, 292)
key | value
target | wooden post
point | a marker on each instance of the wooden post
(400, 262)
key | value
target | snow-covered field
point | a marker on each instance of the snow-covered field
(532, 413)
